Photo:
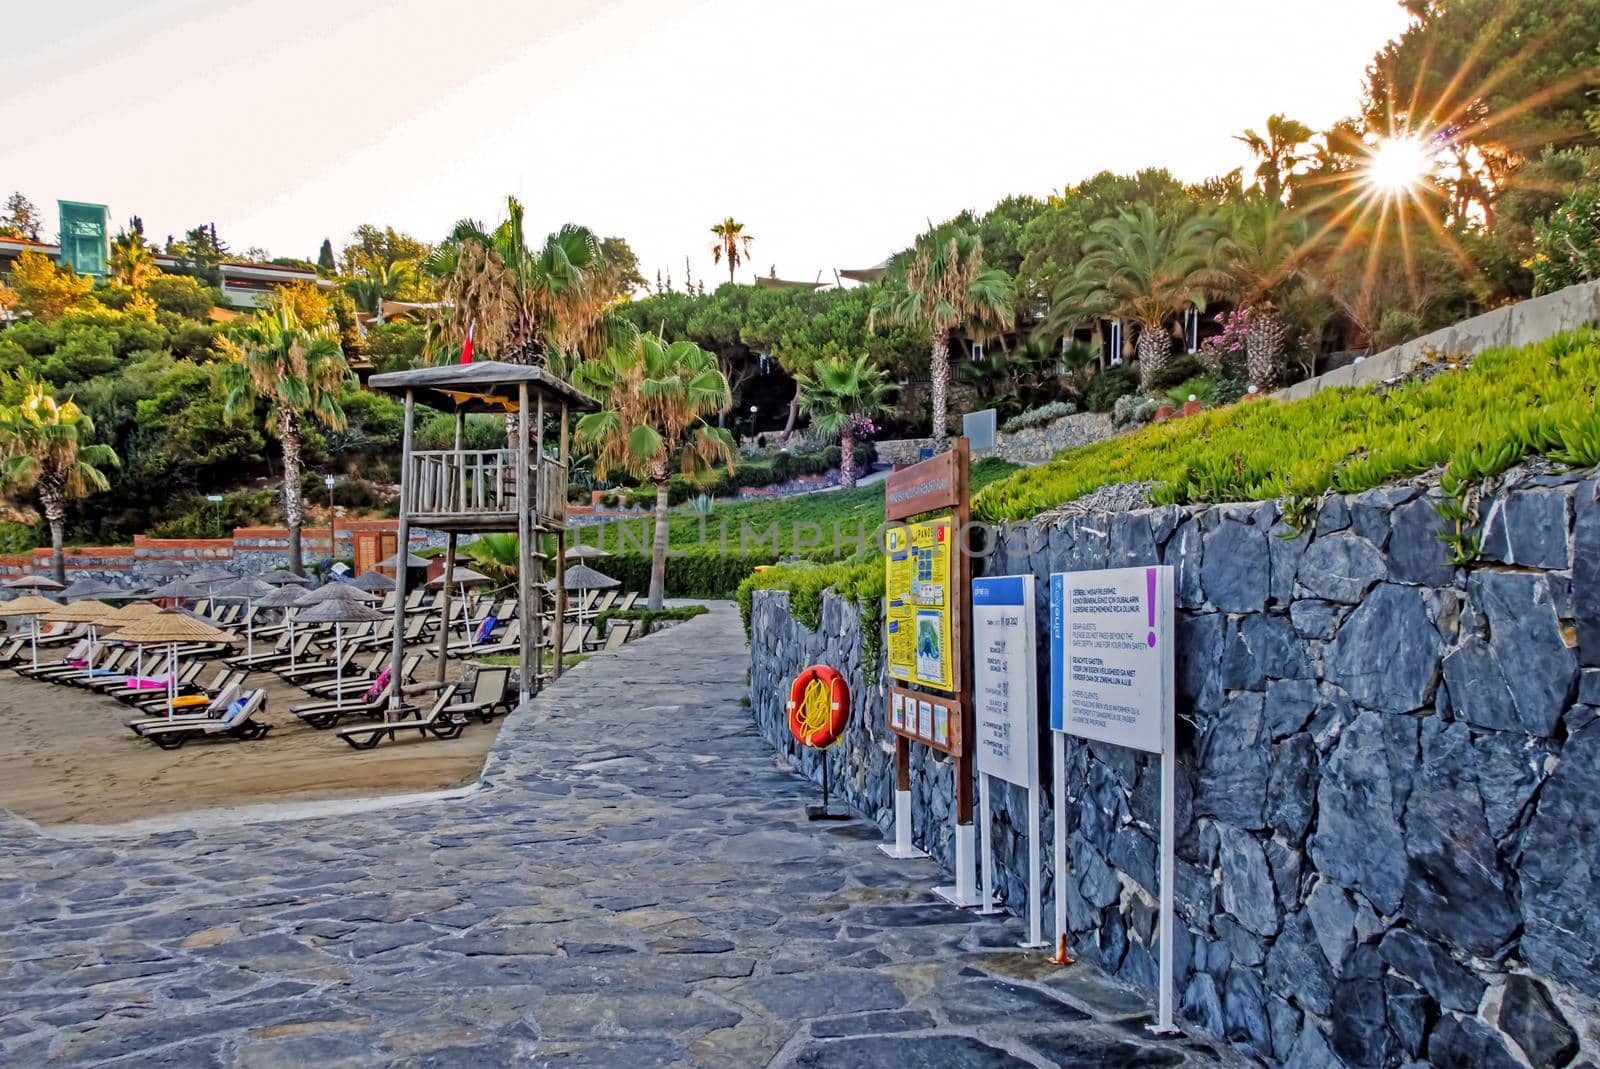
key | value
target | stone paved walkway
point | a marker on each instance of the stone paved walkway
(636, 886)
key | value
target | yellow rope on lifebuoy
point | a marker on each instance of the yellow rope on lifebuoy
(817, 706)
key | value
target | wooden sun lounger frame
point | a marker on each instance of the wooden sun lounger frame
(437, 722)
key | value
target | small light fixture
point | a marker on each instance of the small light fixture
(1192, 397)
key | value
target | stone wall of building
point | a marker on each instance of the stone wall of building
(1031, 445)
(1388, 778)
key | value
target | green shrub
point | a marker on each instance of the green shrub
(1397, 327)
(1106, 387)
(1509, 404)
(18, 537)
(1201, 388)
(1035, 417)
(182, 295)
(1176, 371)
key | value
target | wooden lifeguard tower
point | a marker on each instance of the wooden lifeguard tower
(460, 490)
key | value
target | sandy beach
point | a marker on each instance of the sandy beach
(69, 759)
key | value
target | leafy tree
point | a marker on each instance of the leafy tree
(200, 254)
(1146, 268)
(1278, 152)
(843, 396)
(523, 305)
(8, 300)
(657, 397)
(182, 295)
(1503, 78)
(944, 286)
(21, 218)
(46, 452)
(1266, 251)
(297, 370)
(1052, 241)
(380, 281)
(46, 291)
(1568, 244)
(372, 247)
(305, 301)
(731, 243)
(327, 266)
(132, 263)
(620, 267)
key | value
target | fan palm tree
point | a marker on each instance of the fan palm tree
(732, 242)
(657, 397)
(379, 282)
(1278, 152)
(131, 261)
(298, 371)
(45, 453)
(841, 396)
(1146, 268)
(1265, 249)
(497, 555)
(524, 305)
(941, 286)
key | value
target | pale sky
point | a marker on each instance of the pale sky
(833, 130)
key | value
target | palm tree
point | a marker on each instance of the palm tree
(942, 286)
(524, 305)
(298, 371)
(378, 282)
(1146, 268)
(656, 397)
(499, 556)
(1265, 249)
(731, 242)
(843, 396)
(1278, 152)
(131, 261)
(44, 452)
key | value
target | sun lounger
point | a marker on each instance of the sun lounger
(213, 708)
(511, 642)
(577, 639)
(617, 634)
(313, 670)
(238, 723)
(142, 688)
(262, 662)
(437, 722)
(197, 695)
(358, 685)
(111, 664)
(71, 661)
(490, 691)
(325, 714)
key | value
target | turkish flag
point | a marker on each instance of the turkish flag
(466, 346)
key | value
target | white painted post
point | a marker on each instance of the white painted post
(966, 891)
(986, 815)
(1058, 754)
(1035, 878)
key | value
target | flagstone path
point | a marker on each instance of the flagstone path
(635, 885)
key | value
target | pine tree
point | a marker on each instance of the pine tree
(21, 219)
(325, 261)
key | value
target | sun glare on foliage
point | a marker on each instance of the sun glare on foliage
(1398, 165)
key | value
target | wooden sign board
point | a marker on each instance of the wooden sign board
(933, 484)
(932, 720)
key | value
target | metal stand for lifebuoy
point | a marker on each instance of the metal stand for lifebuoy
(827, 810)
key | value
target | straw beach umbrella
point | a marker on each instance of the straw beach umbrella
(338, 612)
(91, 588)
(171, 627)
(246, 590)
(583, 577)
(284, 597)
(127, 614)
(336, 591)
(461, 577)
(31, 582)
(411, 561)
(581, 551)
(31, 606)
(163, 569)
(82, 612)
(373, 583)
(284, 577)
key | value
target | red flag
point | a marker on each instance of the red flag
(466, 347)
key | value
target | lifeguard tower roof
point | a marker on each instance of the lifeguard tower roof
(481, 386)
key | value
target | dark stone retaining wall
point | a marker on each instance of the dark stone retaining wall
(1389, 774)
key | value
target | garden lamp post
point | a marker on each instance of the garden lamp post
(333, 522)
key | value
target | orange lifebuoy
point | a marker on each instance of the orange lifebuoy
(819, 706)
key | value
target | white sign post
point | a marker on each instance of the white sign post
(1006, 702)
(1111, 680)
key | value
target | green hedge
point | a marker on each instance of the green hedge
(750, 472)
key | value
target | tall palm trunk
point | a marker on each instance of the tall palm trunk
(939, 374)
(794, 414)
(1155, 347)
(658, 551)
(53, 502)
(293, 508)
(1263, 347)
(847, 457)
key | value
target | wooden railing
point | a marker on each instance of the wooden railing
(451, 482)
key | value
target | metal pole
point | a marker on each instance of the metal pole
(560, 578)
(338, 666)
(1168, 800)
(1035, 879)
(397, 643)
(525, 475)
(1058, 755)
(987, 834)
(444, 608)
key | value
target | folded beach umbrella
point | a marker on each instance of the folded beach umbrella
(171, 627)
(338, 612)
(31, 606)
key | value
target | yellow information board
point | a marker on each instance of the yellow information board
(919, 588)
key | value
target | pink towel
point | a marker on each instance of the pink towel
(377, 687)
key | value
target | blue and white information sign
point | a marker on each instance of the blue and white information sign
(1111, 680)
(1005, 687)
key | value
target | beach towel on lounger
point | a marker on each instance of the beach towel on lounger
(377, 687)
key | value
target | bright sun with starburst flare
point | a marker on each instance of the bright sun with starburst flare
(1398, 165)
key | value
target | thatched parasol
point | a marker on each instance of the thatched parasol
(32, 606)
(373, 582)
(284, 577)
(211, 573)
(31, 582)
(179, 589)
(163, 569)
(247, 590)
(586, 552)
(284, 597)
(336, 591)
(90, 588)
(411, 559)
(583, 577)
(88, 612)
(460, 577)
(338, 612)
(169, 627)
